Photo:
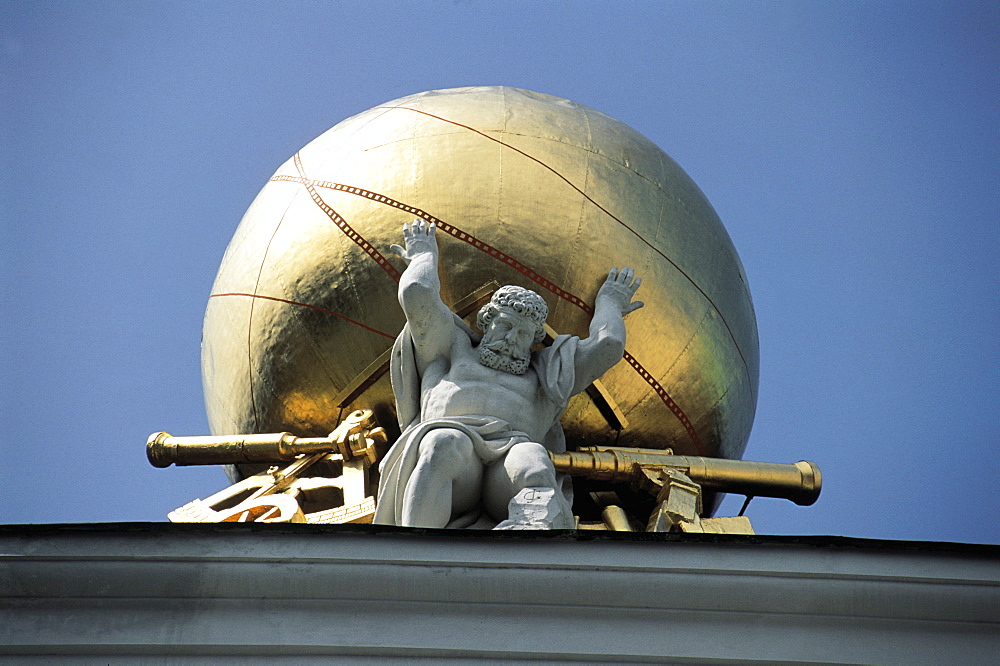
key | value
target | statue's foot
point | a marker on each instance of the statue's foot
(537, 509)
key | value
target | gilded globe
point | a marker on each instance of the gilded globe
(526, 189)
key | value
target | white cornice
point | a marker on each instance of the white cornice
(167, 590)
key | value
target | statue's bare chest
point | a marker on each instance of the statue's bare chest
(468, 388)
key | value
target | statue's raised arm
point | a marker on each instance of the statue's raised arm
(605, 344)
(420, 293)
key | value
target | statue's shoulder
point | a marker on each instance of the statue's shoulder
(463, 333)
(558, 356)
(563, 344)
(462, 346)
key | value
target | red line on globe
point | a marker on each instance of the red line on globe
(667, 400)
(344, 226)
(614, 217)
(306, 305)
(521, 268)
(256, 285)
(451, 230)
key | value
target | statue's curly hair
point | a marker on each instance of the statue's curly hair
(518, 300)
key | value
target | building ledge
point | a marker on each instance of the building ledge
(301, 592)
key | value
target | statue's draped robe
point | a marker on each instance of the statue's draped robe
(491, 437)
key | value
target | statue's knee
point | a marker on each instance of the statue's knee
(528, 466)
(446, 447)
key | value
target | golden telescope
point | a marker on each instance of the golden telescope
(800, 482)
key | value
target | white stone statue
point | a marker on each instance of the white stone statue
(479, 413)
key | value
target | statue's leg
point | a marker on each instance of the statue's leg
(447, 479)
(526, 465)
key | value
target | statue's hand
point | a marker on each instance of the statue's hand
(619, 289)
(418, 238)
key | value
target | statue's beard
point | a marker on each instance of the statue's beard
(500, 356)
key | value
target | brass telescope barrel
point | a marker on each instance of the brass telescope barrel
(800, 482)
(162, 449)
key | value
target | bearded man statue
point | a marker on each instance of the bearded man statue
(479, 414)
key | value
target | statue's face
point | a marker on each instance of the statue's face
(506, 345)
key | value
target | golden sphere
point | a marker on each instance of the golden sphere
(526, 189)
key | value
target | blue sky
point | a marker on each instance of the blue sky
(851, 149)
